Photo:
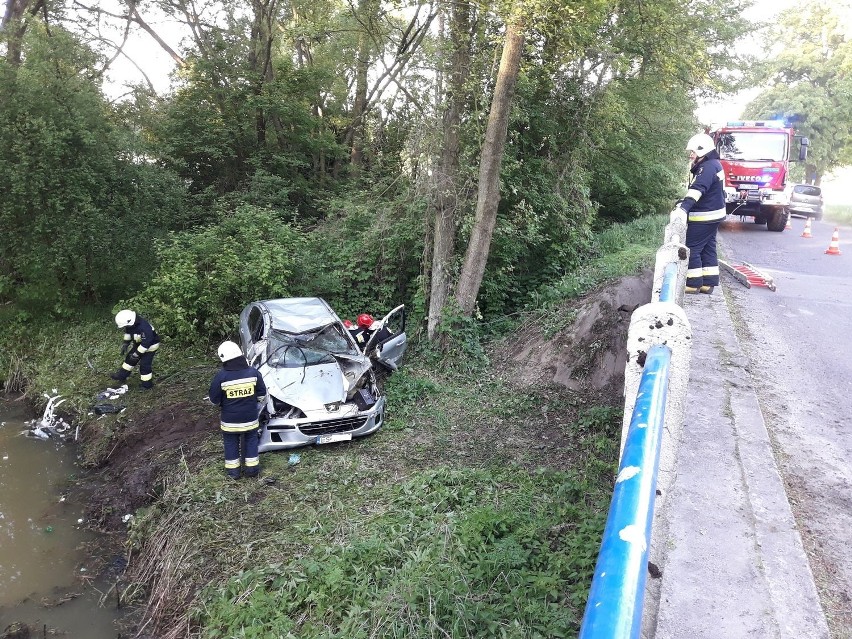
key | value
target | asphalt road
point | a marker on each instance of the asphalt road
(798, 344)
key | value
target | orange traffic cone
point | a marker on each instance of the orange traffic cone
(807, 231)
(789, 224)
(834, 247)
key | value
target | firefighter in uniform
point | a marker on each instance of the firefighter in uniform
(141, 343)
(704, 206)
(239, 391)
(363, 331)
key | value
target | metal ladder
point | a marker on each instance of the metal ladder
(748, 275)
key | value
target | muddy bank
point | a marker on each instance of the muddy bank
(128, 476)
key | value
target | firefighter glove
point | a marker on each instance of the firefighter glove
(133, 358)
(124, 347)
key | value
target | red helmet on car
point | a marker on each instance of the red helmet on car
(347, 323)
(365, 320)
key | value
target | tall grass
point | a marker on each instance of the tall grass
(839, 213)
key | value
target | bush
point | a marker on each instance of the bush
(206, 276)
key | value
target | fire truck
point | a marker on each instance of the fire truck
(756, 157)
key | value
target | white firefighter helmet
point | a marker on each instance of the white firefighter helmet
(228, 351)
(125, 318)
(701, 144)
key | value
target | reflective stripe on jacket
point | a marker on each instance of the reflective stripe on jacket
(237, 390)
(143, 334)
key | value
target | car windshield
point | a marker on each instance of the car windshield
(767, 147)
(288, 350)
(807, 189)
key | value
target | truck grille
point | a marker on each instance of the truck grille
(332, 426)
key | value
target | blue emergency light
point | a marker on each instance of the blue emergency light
(776, 124)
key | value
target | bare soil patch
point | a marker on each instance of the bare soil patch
(128, 477)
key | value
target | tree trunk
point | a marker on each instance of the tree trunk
(445, 197)
(366, 10)
(488, 197)
(15, 19)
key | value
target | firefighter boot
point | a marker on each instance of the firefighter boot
(706, 289)
(120, 376)
(691, 289)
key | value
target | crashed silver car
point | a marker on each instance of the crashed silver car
(321, 387)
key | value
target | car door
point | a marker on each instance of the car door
(254, 329)
(388, 342)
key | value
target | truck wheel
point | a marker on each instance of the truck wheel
(759, 219)
(777, 221)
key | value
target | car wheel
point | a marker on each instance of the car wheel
(777, 221)
(818, 216)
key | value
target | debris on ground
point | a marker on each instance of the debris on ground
(107, 408)
(50, 425)
(112, 393)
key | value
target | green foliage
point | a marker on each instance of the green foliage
(206, 276)
(476, 553)
(232, 131)
(366, 256)
(622, 249)
(78, 206)
(404, 388)
(841, 213)
(640, 130)
(809, 82)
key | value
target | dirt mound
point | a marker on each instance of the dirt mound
(129, 475)
(584, 349)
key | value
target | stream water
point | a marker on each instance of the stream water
(45, 578)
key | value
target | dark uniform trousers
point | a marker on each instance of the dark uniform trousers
(703, 269)
(231, 441)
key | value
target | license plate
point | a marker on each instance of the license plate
(334, 437)
(748, 187)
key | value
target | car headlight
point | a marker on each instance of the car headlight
(284, 410)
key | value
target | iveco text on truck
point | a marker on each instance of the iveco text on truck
(756, 157)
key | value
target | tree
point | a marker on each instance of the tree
(79, 202)
(488, 196)
(444, 199)
(810, 81)
(14, 22)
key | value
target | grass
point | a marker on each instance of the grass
(476, 511)
(839, 213)
(449, 522)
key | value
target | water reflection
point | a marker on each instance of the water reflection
(45, 579)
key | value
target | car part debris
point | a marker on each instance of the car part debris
(108, 409)
(50, 426)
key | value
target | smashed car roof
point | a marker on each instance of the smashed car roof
(299, 314)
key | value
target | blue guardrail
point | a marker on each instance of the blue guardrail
(614, 607)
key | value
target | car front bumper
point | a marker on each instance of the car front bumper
(280, 434)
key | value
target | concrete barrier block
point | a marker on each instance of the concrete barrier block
(653, 324)
(670, 253)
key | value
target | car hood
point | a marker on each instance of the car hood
(307, 388)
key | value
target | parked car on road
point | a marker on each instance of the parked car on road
(321, 387)
(806, 201)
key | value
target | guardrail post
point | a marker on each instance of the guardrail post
(672, 252)
(659, 323)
